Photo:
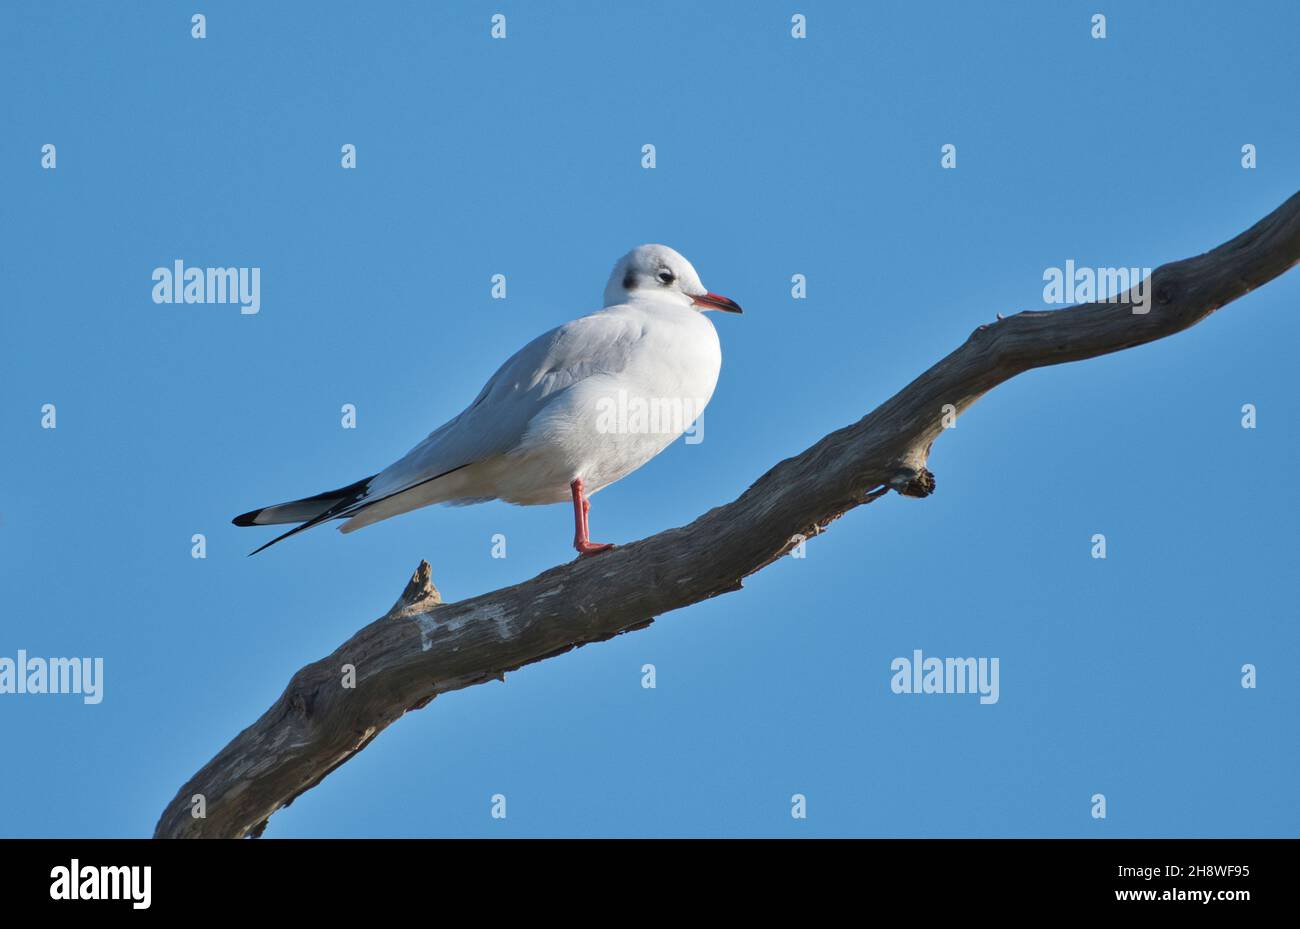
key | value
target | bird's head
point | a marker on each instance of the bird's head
(657, 272)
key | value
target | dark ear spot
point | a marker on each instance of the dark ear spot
(629, 281)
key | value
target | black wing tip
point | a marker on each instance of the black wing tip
(342, 499)
(280, 538)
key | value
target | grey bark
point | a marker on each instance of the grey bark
(422, 647)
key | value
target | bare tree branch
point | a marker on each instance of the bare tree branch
(422, 648)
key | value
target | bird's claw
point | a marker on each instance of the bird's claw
(587, 549)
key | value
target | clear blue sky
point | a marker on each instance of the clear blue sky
(775, 156)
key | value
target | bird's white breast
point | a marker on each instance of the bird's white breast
(610, 423)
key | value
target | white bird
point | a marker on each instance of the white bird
(573, 411)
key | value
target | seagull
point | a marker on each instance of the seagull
(570, 413)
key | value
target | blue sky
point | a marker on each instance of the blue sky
(775, 156)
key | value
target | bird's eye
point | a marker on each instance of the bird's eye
(665, 276)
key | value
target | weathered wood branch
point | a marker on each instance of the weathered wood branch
(422, 647)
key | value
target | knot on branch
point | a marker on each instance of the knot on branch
(420, 593)
(1166, 292)
(301, 694)
(911, 482)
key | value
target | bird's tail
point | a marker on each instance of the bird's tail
(310, 511)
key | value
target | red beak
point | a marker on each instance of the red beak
(717, 302)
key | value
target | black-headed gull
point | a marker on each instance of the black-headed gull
(571, 412)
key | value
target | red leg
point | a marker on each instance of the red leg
(581, 506)
(579, 516)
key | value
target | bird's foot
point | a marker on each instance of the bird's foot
(586, 549)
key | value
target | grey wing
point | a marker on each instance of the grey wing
(520, 389)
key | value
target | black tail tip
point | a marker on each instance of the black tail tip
(247, 519)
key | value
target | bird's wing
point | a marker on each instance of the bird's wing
(495, 422)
